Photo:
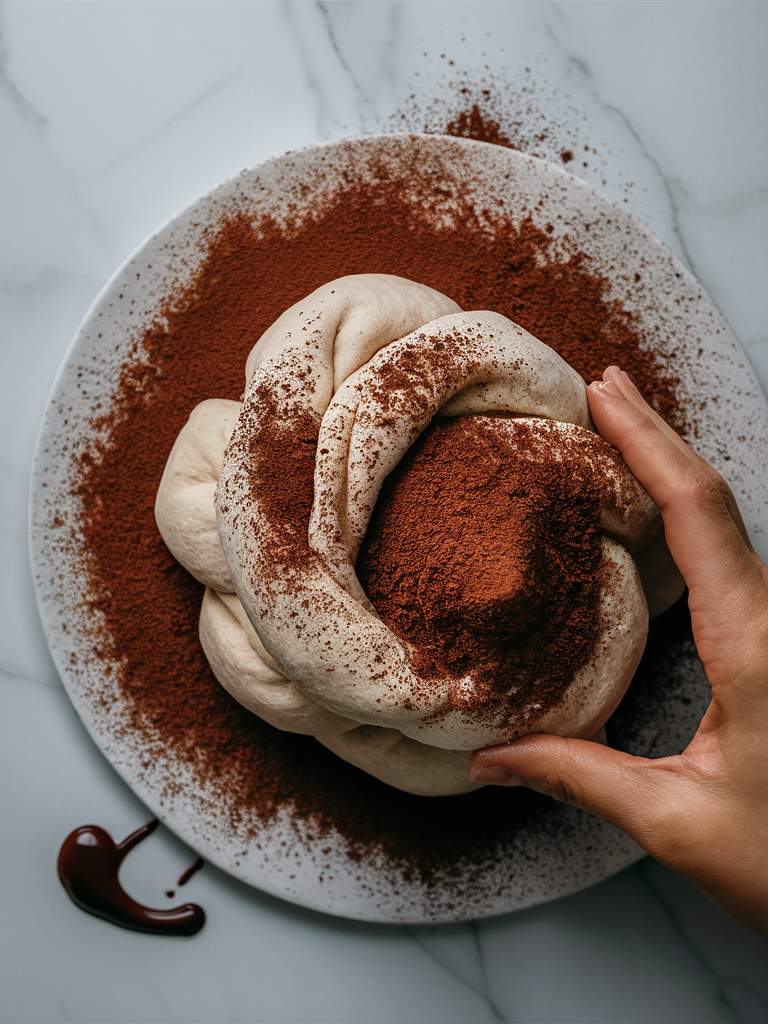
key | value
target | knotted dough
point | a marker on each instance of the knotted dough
(364, 363)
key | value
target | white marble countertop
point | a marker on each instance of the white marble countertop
(114, 116)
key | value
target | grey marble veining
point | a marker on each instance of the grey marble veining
(458, 949)
(112, 117)
(735, 959)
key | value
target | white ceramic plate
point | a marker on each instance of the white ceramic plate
(557, 849)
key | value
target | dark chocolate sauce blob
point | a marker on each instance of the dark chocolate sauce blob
(89, 865)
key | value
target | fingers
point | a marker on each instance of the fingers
(628, 390)
(615, 376)
(682, 812)
(634, 793)
(703, 537)
(727, 582)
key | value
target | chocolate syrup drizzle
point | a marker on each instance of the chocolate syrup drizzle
(185, 877)
(89, 864)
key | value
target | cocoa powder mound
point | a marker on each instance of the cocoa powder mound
(483, 552)
(150, 605)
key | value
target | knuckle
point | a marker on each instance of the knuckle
(706, 489)
(632, 436)
(563, 789)
(719, 484)
(559, 780)
(554, 787)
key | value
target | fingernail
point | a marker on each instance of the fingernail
(493, 775)
(628, 379)
(610, 389)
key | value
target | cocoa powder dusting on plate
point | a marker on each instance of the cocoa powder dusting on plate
(196, 350)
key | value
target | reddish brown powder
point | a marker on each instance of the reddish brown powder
(475, 124)
(488, 561)
(151, 606)
(285, 497)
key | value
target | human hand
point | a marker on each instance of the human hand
(703, 813)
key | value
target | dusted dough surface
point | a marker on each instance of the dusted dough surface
(370, 360)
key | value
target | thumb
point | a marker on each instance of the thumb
(634, 793)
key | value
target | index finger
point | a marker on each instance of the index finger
(628, 390)
(703, 537)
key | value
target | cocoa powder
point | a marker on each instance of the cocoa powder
(475, 124)
(150, 605)
(484, 553)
